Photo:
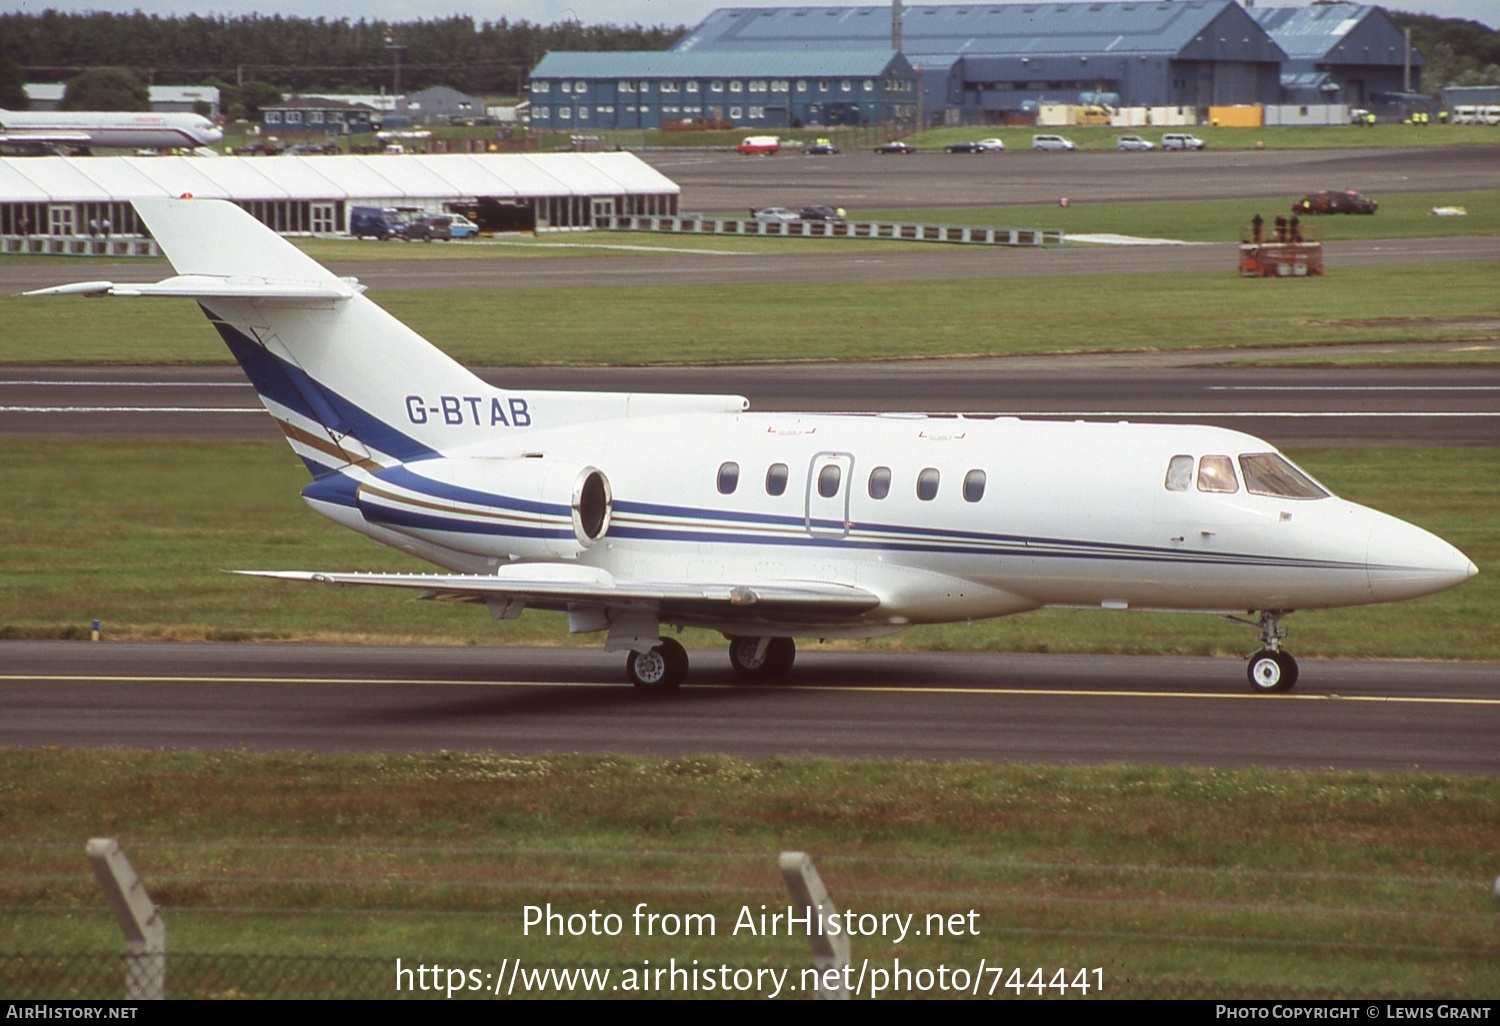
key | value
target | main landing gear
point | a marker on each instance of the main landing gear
(761, 658)
(663, 668)
(1270, 670)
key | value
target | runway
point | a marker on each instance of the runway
(1285, 405)
(1429, 717)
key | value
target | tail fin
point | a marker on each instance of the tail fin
(348, 383)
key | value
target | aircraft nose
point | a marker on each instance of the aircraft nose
(1404, 561)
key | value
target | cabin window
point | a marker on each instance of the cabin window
(1268, 473)
(828, 480)
(880, 482)
(776, 479)
(1179, 473)
(927, 484)
(974, 486)
(1216, 474)
(729, 478)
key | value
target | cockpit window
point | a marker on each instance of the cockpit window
(1179, 473)
(1268, 473)
(1216, 474)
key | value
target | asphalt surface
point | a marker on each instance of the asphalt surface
(1430, 717)
(714, 182)
(1286, 406)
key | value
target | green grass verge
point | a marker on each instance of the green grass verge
(139, 534)
(1401, 216)
(1175, 883)
(833, 320)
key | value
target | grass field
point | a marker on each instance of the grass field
(822, 321)
(1173, 883)
(139, 534)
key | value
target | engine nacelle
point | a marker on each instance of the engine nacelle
(519, 507)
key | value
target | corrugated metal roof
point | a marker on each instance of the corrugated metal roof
(938, 31)
(355, 178)
(1309, 31)
(812, 60)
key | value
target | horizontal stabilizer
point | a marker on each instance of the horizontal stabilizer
(545, 586)
(202, 286)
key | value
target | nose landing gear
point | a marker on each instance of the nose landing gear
(1270, 670)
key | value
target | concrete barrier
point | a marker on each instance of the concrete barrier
(960, 234)
(80, 245)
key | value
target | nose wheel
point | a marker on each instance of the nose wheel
(663, 668)
(1270, 670)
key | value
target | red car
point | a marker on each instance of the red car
(1334, 201)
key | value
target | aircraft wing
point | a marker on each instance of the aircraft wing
(52, 138)
(549, 586)
(207, 286)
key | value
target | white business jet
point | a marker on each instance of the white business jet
(636, 512)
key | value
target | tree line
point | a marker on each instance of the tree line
(253, 58)
(306, 55)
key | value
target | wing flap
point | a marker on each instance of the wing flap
(558, 587)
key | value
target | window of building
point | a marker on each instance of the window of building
(869, 85)
(736, 112)
(847, 86)
(757, 112)
(801, 85)
(776, 478)
(294, 117)
(567, 87)
(541, 112)
(729, 478)
(736, 86)
(692, 87)
(880, 482)
(583, 113)
(645, 87)
(716, 87)
(315, 117)
(974, 486)
(927, 484)
(564, 113)
(579, 87)
(273, 117)
(541, 87)
(627, 87)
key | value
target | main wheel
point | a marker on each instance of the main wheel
(661, 669)
(775, 661)
(1270, 672)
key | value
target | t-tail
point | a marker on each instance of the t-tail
(349, 384)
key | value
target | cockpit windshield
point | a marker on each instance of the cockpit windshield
(1269, 473)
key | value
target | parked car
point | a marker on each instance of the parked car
(965, 147)
(374, 222)
(426, 227)
(821, 212)
(1334, 201)
(775, 215)
(895, 147)
(992, 145)
(1052, 143)
(1134, 142)
(1181, 141)
(820, 148)
(461, 227)
(765, 145)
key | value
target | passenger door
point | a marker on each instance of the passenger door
(827, 510)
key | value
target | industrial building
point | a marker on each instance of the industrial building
(64, 196)
(776, 89)
(1352, 54)
(980, 60)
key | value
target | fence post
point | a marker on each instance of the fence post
(829, 952)
(139, 919)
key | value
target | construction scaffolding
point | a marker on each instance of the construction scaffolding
(1287, 249)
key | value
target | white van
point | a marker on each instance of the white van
(1181, 141)
(1054, 143)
